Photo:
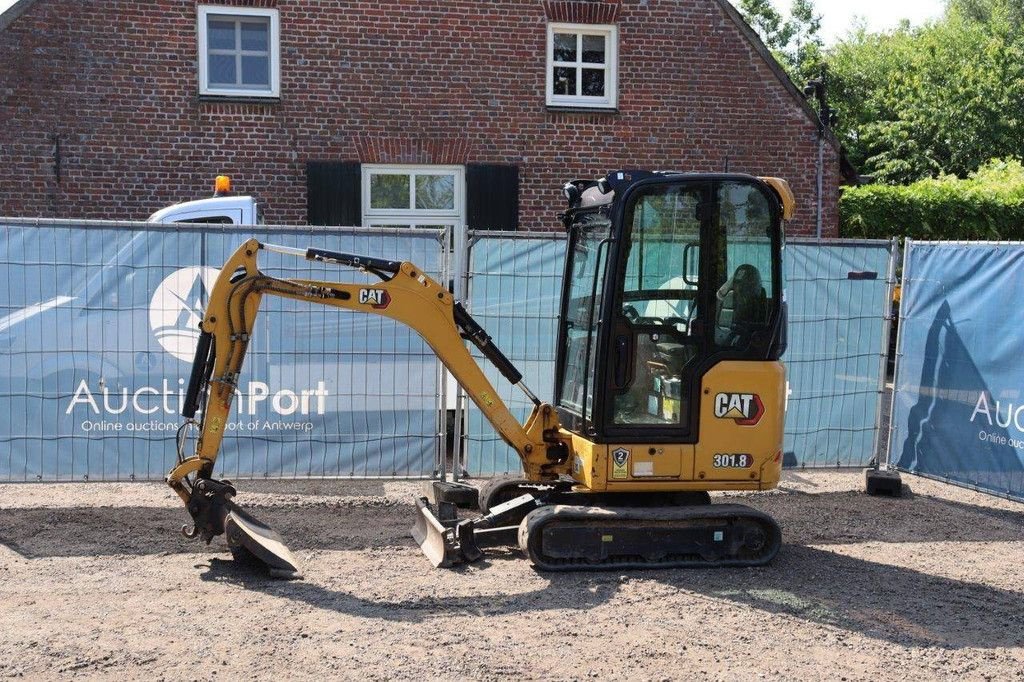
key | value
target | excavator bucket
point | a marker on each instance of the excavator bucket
(255, 543)
(435, 539)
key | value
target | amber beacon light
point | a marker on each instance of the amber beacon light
(222, 186)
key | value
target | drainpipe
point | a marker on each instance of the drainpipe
(818, 88)
(821, 178)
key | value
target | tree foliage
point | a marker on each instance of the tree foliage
(988, 205)
(794, 40)
(940, 99)
(989, 11)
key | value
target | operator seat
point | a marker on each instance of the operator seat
(742, 307)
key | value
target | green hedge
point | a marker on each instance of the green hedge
(989, 205)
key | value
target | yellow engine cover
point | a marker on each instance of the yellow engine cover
(742, 418)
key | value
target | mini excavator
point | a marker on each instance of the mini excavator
(668, 383)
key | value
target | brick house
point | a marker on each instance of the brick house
(395, 112)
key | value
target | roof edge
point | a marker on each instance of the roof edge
(773, 64)
(13, 12)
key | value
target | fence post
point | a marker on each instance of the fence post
(893, 427)
(441, 449)
(462, 244)
(890, 287)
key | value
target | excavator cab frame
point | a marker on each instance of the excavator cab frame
(669, 243)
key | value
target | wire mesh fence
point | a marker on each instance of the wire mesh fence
(514, 287)
(98, 325)
(840, 310)
(839, 295)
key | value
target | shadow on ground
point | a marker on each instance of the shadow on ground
(880, 601)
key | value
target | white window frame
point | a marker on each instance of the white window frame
(414, 217)
(203, 13)
(610, 32)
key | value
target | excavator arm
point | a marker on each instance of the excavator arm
(405, 294)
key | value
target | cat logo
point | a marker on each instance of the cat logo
(746, 409)
(376, 298)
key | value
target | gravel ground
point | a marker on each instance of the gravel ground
(97, 582)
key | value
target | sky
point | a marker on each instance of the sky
(838, 15)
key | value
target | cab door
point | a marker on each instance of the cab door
(578, 379)
(657, 314)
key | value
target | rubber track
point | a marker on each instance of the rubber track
(738, 520)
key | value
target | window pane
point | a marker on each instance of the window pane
(593, 82)
(220, 34)
(256, 71)
(389, 191)
(565, 81)
(256, 36)
(222, 69)
(565, 47)
(587, 264)
(659, 303)
(746, 292)
(435, 191)
(593, 49)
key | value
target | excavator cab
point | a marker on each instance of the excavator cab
(667, 275)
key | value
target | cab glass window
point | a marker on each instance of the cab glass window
(657, 333)
(589, 254)
(746, 290)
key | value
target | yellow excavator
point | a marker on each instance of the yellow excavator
(668, 383)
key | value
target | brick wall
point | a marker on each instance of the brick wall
(380, 81)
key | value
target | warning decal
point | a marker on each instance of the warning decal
(620, 463)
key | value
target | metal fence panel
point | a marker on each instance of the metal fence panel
(98, 327)
(514, 290)
(958, 406)
(839, 297)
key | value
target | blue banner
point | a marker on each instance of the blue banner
(98, 327)
(958, 408)
(514, 293)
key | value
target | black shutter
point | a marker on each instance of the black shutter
(492, 197)
(334, 193)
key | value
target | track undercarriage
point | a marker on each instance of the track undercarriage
(562, 530)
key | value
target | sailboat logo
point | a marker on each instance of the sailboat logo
(177, 309)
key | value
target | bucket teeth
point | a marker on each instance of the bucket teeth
(256, 543)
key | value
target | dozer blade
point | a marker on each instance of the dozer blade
(255, 543)
(436, 541)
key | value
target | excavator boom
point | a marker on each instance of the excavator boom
(404, 293)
